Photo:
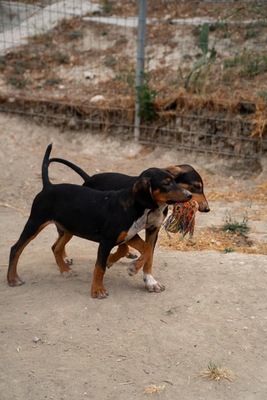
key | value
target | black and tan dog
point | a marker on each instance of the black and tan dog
(110, 218)
(185, 175)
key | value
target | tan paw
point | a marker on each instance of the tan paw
(100, 293)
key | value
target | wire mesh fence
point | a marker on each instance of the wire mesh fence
(203, 88)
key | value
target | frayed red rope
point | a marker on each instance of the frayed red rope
(182, 218)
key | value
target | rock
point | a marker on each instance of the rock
(97, 98)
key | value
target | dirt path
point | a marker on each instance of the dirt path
(58, 343)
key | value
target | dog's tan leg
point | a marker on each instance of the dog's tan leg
(30, 231)
(131, 254)
(58, 250)
(98, 289)
(145, 253)
(121, 251)
(151, 284)
(12, 276)
(65, 257)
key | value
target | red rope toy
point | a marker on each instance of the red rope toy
(182, 219)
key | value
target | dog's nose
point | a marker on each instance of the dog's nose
(207, 209)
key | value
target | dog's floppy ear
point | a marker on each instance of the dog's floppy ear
(174, 170)
(143, 193)
(183, 173)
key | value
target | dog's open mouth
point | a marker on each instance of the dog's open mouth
(182, 219)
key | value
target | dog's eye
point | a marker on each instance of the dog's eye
(167, 184)
(197, 185)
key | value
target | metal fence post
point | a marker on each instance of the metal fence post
(141, 41)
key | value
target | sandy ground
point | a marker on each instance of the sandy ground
(59, 343)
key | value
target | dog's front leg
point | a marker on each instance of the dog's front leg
(151, 284)
(98, 289)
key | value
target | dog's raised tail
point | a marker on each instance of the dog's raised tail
(45, 165)
(74, 167)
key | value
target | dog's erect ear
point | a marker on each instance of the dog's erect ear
(143, 193)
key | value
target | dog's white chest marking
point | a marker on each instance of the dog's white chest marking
(148, 220)
(137, 226)
(155, 217)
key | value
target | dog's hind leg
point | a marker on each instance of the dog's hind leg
(121, 252)
(140, 245)
(131, 254)
(29, 232)
(65, 257)
(58, 250)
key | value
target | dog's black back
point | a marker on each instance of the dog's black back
(101, 181)
(184, 174)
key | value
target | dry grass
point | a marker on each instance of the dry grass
(212, 239)
(216, 373)
(153, 389)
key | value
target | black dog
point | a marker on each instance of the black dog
(185, 175)
(109, 217)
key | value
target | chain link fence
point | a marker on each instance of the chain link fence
(183, 74)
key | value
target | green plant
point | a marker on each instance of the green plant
(129, 78)
(42, 38)
(231, 62)
(252, 33)
(262, 94)
(250, 63)
(255, 66)
(200, 71)
(61, 58)
(2, 63)
(228, 250)
(110, 61)
(172, 310)
(216, 373)
(145, 98)
(19, 67)
(107, 6)
(52, 82)
(17, 82)
(126, 74)
(75, 35)
(235, 226)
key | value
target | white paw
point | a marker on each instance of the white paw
(135, 266)
(68, 261)
(69, 274)
(131, 270)
(131, 255)
(152, 285)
